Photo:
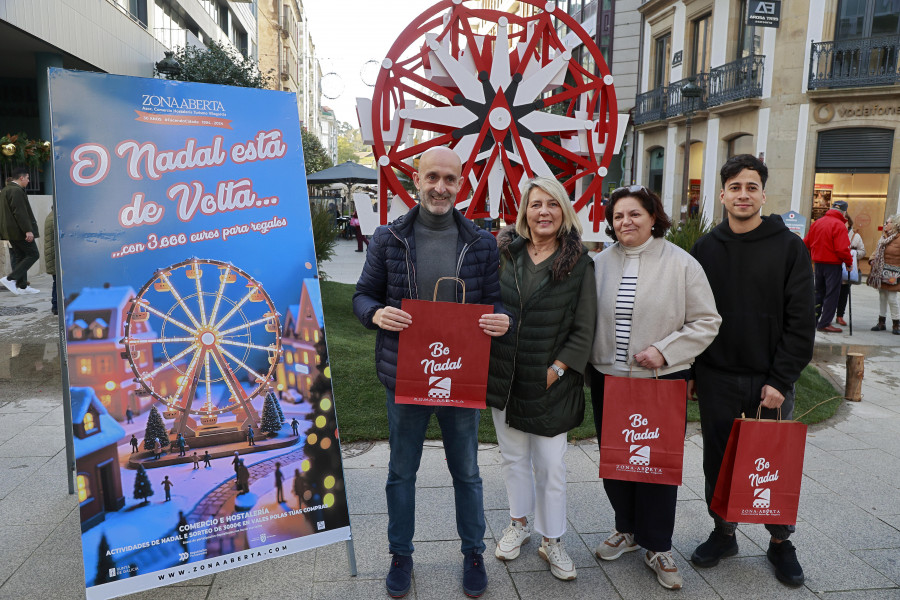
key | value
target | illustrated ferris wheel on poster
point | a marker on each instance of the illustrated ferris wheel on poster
(506, 93)
(216, 333)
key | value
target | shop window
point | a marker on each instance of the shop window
(83, 485)
(305, 357)
(866, 196)
(316, 335)
(289, 357)
(292, 379)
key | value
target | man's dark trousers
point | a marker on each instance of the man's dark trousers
(724, 397)
(27, 254)
(828, 289)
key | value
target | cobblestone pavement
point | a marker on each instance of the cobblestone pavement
(848, 532)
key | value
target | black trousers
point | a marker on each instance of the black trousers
(26, 254)
(723, 398)
(828, 288)
(646, 510)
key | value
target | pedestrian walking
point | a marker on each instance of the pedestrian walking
(134, 443)
(829, 246)
(295, 426)
(858, 249)
(19, 227)
(206, 459)
(196, 462)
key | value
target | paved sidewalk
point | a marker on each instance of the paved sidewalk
(848, 535)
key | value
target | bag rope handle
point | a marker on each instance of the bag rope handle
(457, 279)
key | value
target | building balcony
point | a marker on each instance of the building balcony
(676, 105)
(866, 62)
(650, 106)
(737, 80)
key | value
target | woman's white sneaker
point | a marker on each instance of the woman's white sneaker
(561, 565)
(663, 565)
(514, 536)
(615, 546)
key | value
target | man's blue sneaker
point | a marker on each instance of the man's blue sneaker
(398, 578)
(474, 575)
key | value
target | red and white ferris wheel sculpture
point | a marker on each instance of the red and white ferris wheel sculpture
(504, 92)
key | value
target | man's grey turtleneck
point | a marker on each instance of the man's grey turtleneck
(436, 238)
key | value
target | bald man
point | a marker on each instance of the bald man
(405, 259)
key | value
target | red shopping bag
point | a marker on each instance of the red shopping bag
(444, 355)
(642, 437)
(759, 481)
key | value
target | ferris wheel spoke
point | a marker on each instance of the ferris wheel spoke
(200, 295)
(245, 325)
(246, 345)
(236, 307)
(163, 340)
(189, 376)
(402, 155)
(207, 379)
(171, 361)
(223, 281)
(180, 301)
(231, 381)
(171, 320)
(241, 363)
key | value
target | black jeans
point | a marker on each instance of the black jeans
(646, 510)
(723, 397)
(26, 255)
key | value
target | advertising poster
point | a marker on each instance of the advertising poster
(204, 426)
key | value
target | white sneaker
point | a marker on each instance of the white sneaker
(663, 565)
(514, 536)
(29, 290)
(561, 565)
(10, 285)
(615, 546)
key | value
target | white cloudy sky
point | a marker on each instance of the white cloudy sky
(348, 33)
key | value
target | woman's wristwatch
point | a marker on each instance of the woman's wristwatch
(557, 369)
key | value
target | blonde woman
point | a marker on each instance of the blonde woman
(535, 385)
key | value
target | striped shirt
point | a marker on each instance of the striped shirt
(625, 305)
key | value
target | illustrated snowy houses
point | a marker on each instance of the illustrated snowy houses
(95, 323)
(96, 434)
(302, 330)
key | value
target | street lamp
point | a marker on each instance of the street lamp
(689, 92)
(168, 65)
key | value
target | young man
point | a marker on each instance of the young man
(19, 227)
(829, 246)
(405, 260)
(761, 278)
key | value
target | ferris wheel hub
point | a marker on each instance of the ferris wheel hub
(500, 118)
